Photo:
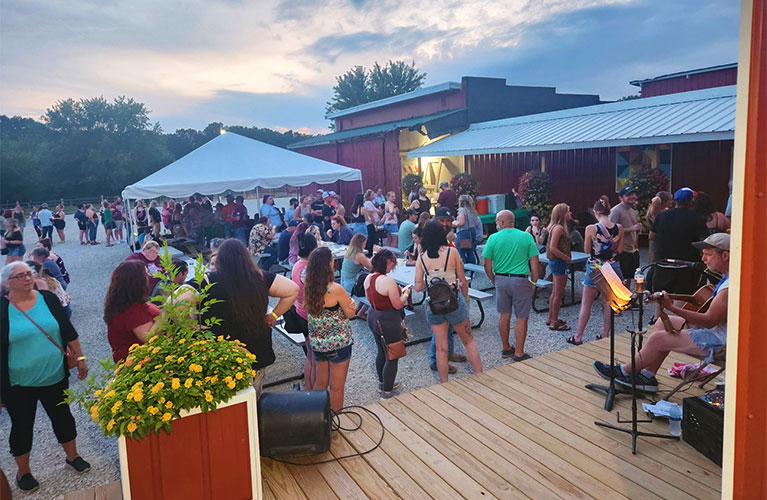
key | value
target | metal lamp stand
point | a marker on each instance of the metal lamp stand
(634, 430)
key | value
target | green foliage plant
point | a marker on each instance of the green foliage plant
(181, 367)
(535, 191)
(647, 181)
(409, 183)
(464, 183)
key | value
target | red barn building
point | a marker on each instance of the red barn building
(695, 79)
(376, 137)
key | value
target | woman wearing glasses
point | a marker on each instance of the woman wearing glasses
(34, 333)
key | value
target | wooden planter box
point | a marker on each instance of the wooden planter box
(206, 456)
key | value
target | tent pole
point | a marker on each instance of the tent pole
(258, 202)
(129, 230)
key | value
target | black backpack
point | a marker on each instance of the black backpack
(443, 298)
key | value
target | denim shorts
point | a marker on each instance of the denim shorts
(454, 318)
(391, 228)
(558, 267)
(587, 280)
(336, 356)
(16, 251)
(707, 341)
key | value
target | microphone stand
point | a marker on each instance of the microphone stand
(634, 431)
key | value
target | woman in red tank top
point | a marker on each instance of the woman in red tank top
(385, 317)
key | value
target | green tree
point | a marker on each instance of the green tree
(359, 85)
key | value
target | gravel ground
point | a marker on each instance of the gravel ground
(90, 268)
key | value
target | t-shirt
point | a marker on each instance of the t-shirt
(273, 213)
(317, 205)
(55, 271)
(46, 217)
(242, 212)
(405, 235)
(626, 217)
(33, 360)
(297, 275)
(155, 215)
(327, 212)
(152, 266)
(510, 250)
(120, 330)
(448, 198)
(80, 216)
(369, 206)
(14, 236)
(259, 239)
(226, 212)
(283, 245)
(118, 211)
(258, 342)
(675, 232)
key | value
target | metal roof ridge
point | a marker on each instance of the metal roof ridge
(414, 94)
(611, 107)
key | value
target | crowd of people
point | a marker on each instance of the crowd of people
(242, 280)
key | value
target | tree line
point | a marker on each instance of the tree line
(93, 146)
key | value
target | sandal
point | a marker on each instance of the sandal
(571, 340)
(559, 326)
(600, 337)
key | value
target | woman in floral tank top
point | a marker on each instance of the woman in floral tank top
(329, 309)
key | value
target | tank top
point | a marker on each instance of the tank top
(439, 270)
(330, 330)
(423, 205)
(378, 301)
(349, 269)
(360, 217)
(297, 276)
(602, 249)
(564, 244)
(389, 217)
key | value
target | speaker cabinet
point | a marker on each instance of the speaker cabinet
(294, 423)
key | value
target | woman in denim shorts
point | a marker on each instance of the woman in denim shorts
(604, 241)
(13, 239)
(438, 260)
(558, 253)
(329, 309)
(390, 219)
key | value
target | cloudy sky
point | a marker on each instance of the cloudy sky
(273, 63)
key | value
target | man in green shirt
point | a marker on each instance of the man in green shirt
(510, 257)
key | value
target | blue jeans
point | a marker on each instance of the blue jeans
(450, 346)
(228, 230)
(92, 228)
(239, 233)
(467, 254)
(267, 262)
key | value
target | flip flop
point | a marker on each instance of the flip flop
(571, 340)
(599, 337)
(559, 326)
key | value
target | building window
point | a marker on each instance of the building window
(631, 158)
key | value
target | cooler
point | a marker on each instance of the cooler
(496, 203)
(482, 205)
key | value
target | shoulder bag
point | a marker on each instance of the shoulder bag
(69, 354)
(396, 349)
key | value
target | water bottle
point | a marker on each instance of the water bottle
(675, 421)
(638, 282)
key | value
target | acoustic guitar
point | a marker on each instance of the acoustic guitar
(700, 301)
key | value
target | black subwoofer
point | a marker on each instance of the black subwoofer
(294, 423)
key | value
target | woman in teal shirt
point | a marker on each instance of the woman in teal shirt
(33, 369)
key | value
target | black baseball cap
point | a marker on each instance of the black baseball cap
(442, 212)
(627, 190)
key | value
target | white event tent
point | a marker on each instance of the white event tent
(236, 163)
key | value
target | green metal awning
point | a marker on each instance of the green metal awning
(437, 124)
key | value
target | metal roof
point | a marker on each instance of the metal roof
(639, 83)
(700, 115)
(373, 129)
(397, 98)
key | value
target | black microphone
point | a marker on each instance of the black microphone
(698, 266)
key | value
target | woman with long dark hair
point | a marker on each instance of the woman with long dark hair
(243, 292)
(438, 260)
(372, 220)
(604, 241)
(306, 245)
(385, 317)
(329, 309)
(357, 215)
(715, 221)
(293, 246)
(128, 313)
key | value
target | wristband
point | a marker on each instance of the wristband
(81, 358)
(274, 315)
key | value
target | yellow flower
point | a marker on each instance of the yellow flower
(228, 379)
(94, 412)
(132, 427)
(251, 357)
(97, 393)
(152, 410)
(166, 416)
(214, 379)
(137, 385)
(139, 396)
(180, 359)
(240, 360)
(137, 367)
(182, 341)
(175, 383)
(110, 425)
(188, 383)
(220, 338)
(155, 350)
(117, 370)
(109, 394)
(157, 387)
(198, 383)
(169, 405)
(153, 339)
(195, 368)
(157, 367)
(132, 347)
(230, 384)
(238, 375)
(208, 398)
(161, 400)
(170, 357)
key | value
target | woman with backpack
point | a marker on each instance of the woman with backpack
(604, 241)
(467, 225)
(439, 271)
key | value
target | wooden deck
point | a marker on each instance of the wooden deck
(525, 430)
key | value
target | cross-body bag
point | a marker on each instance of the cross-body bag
(443, 298)
(69, 354)
(396, 349)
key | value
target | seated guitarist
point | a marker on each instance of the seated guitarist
(708, 334)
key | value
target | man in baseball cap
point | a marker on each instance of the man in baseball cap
(707, 335)
(684, 195)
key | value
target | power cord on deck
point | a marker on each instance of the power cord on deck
(336, 426)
